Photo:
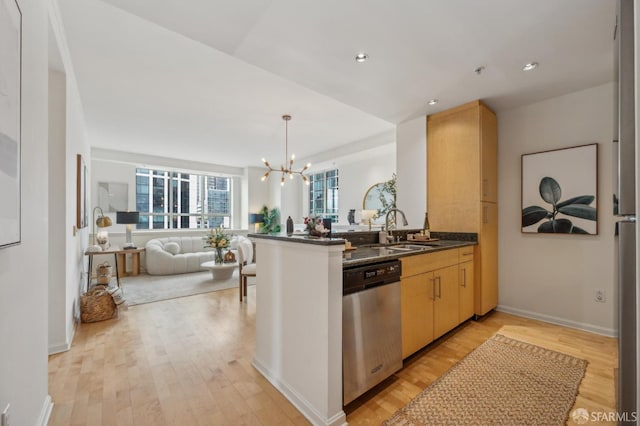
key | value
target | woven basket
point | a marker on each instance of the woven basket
(104, 272)
(97, 305)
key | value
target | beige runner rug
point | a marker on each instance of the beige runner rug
(502, 382)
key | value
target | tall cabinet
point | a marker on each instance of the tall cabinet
(462, 189)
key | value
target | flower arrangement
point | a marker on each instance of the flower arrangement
(315, 226)
(219, 240)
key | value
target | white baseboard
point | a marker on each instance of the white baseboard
(63, 347)
(56, 349)
(307, 410)
(609, 332)
(45, 413)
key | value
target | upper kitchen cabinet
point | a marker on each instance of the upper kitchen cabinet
(488, 155)
(461, 166)
(462, 187)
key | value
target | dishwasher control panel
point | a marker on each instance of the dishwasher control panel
(363, 277)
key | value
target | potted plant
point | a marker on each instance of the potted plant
(271, 220)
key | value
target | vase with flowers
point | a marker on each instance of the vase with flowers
(218, 240)
(315, 226)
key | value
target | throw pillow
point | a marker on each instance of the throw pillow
(173, 248)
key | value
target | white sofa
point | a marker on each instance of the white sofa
(161, 260)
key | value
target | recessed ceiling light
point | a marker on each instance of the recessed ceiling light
(530, 66)
(361, 57)
(433, 102)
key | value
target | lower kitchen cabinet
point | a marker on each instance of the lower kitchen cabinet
(466, 290)
(446, 302)
(433, 300)
(417, 312)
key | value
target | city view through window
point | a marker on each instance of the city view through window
(176, 200)
(323, 195)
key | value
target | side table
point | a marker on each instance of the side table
(113, 251)
(119, 255)
(135, 261)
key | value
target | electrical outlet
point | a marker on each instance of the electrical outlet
(599, 295)
(4, 417)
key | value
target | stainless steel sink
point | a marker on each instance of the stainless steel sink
(402, 248)
(409, 247)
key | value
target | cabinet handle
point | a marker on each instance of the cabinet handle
(433, 287)
(464, 277)
(485, 184)
(468, 254)
(439, 287)
(486, 214)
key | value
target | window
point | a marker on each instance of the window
(323, 194)
(175, 200)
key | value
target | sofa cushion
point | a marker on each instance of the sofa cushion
(172, 247)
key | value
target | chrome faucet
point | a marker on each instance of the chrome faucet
(386, 222)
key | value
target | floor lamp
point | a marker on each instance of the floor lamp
(101, 221)
(128, 218)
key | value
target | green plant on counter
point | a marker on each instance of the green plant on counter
(271, 220)
(577, 207)
(387, 198)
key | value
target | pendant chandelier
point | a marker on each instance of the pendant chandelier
(286, 170)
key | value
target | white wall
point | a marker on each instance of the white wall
(553, 277)
(411, 137)
(58, 338)
(67, 112)
(24, 268)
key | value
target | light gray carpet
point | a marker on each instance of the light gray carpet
(152, 288)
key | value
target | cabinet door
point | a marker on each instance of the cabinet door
(453, 169)
(466, 291)
(446, 305)
(416, 294)
(486, 288)
(489, 155)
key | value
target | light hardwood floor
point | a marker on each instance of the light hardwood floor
(187, 361)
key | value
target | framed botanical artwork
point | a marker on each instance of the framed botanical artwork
(82, 216)
(10, 122)
(560, 191)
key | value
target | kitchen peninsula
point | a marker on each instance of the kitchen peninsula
(299, 314)
(299, 322)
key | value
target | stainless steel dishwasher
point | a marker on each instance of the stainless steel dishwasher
(371, 328)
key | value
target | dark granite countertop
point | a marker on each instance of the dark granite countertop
(302, 238)
(378, 253)
(372, 253)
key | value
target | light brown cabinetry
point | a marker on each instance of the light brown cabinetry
(446, 301)
(487, 264)
(462, 187)
(466, 270)
(417, 312)
(430, 296)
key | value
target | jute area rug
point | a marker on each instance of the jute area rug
(152, 288)
(502, 382)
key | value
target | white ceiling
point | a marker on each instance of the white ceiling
(209, 80)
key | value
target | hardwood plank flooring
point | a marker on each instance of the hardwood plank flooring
(596, 392)
(188, 361)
